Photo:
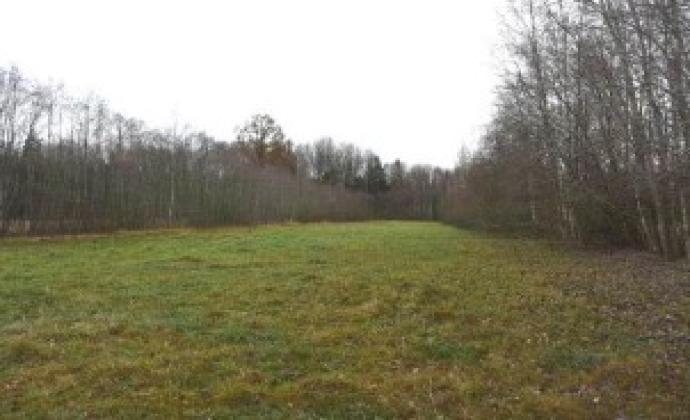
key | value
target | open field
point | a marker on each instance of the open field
(384, 319)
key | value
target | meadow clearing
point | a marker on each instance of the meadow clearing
(361, 320)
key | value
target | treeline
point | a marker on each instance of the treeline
(590, 141)
(397, 190)
(71, 165)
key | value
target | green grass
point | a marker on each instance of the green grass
(385, 319)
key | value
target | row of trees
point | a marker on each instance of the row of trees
(73, 165)
(591, 136)
(397, 191)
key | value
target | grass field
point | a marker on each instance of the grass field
(385, 319)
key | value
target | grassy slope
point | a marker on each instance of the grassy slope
(337, 320)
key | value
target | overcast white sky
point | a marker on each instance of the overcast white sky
(408, 79)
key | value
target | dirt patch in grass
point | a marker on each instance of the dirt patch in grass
(650, 296)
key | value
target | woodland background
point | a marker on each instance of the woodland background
(589, 143)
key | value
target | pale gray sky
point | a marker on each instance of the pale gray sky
(408, 79)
